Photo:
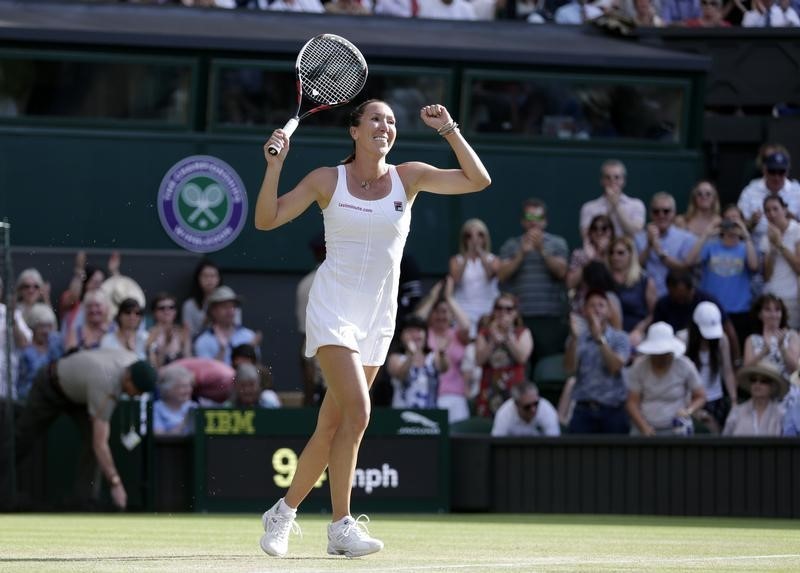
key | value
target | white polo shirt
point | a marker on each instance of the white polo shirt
(507, 421)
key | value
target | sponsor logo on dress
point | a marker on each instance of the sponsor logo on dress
(398, 206)
(355, 207)
(202, 204)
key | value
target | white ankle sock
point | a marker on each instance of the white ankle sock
(340, 523)
(285, 509)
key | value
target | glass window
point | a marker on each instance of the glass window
(264, 96)
(566, 108)
(110, 89)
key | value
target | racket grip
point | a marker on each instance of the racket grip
(288, 129)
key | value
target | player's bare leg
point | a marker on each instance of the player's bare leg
(342, 369)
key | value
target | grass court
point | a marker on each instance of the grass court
(425, 543)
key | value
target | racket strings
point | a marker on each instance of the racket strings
(331, 72)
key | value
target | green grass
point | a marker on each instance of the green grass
(426, 543)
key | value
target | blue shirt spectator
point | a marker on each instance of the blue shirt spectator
(593, 380)
(725, 273)
(35, 356)
(791, 419)
(674, 11)
(597, 353)
(209, 345)
(662, 246)
(219, 339)
(46, 346)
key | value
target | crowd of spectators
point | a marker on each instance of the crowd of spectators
(208, 358)
(652, 13)
(664, 323)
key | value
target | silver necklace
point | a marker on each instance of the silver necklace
(365, 183)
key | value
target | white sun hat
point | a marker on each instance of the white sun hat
(708, 319)
(661, 339)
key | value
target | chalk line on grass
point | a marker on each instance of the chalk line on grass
(566, 561)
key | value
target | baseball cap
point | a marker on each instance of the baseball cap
(708, 319)
(777, 160)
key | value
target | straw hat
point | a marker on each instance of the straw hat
(661, 339)
(118, 287)
(769, 370)
(223, 294)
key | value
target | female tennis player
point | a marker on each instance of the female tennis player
(366, 206)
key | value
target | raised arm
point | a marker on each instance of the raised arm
(472, 175)
(272, 211)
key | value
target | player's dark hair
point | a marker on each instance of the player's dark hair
(355, 120)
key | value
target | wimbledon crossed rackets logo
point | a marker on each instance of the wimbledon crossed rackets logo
(202, 203)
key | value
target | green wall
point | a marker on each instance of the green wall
(97, 189)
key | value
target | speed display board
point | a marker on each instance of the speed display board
(246, 459)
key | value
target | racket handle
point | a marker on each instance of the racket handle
(288, 129)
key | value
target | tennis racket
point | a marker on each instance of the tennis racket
(330, 71)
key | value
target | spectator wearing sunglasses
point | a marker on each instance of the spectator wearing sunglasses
(762, 414)
(627, 214)
(128, 335)
(727, 261)
(635, 289)
(702, 212)
(533, 267)
(663, 246)
(502, 349)
(595, 248)
(167, 340)
(31, 289)
(526, 414)
(775, 164)
(474, 272)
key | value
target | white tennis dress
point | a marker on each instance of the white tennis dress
(353, 300)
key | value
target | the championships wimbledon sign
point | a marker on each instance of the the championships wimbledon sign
(202, 203)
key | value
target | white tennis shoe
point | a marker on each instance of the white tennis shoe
(277, 527)
(351, 538)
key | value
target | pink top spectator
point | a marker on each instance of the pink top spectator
(213, 379)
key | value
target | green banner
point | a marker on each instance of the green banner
(246, 459)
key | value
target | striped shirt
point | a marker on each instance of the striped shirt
(539, 292)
